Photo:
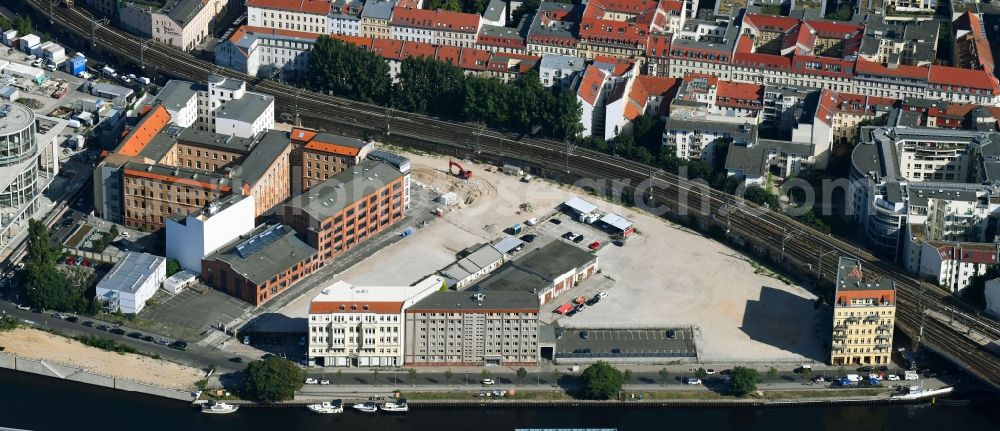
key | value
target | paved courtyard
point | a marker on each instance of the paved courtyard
(189, 313)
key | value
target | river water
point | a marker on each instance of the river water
(40, 403)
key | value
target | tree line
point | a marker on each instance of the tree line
(441, 89)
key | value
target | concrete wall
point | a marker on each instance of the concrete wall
(76, 374)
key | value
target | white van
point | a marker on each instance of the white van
(854, 378)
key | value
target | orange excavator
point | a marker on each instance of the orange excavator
(462, 172)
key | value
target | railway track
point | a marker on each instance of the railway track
(765, 230)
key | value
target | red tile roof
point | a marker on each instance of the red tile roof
(152, 123)
(903, 71)
(320, 7)
(302, 135)
(658, 46)
(439, 20)
(417, 49)
(739, 95)
(327, 307)
(978, 79)
(388, 48)
(276, 31)
(622, 65)
(474, 59)
(590, 85)
(770, 23)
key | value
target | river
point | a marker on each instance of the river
(39, 403)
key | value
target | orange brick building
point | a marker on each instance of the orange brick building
(323, 155)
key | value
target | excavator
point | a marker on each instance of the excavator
(462, 172)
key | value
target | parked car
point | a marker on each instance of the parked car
(528, 238)
(594, 300)
(709, 371)
(162, 341)
(246, 339)
(179, 345)
(865, 369)
(726, 372)
(117, 331)
(311, 381)
(555, 221)
(572, 312)
(136, 335)
(578, 239)
(692, 381)
(324, 382)
(594, 245)
(569, 235)
(23, 307)
(603, 294)
(102, 327)
(149, 339)
(236, 360)
(893, 377)
(489, 382)
(72, 319)
(585, 335)
(58, 315)
(671, 333)
(88, 324)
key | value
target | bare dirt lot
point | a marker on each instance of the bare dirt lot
(36, 344)
(665, 276)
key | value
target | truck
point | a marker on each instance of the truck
(512, 170)
(910, 375)
(854, 378)
(108, 71)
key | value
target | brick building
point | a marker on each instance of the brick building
(323, 155)
(546, 272)
(258, 267)
(343, 211)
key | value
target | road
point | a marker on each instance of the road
(774, 236)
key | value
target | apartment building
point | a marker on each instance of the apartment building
(151, 194)
(553, 30)
(322, 155)
(952, 265)
(192, 237)
(260, 265)
(375, 18)
(345, 17)
(864, 314)
(591, 93)
(472, 329)
(183, 24)
(266, 52)
(911, 43)
(362, 326)
(307, 16)
(634, 96)
(344, 210)
(501, 39)
(438, 27)
(622, 28)
(907, 7)
(222, 106)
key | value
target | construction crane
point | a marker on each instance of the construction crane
(462, 172)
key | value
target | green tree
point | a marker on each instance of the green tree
(411, 376)
(772, 373)
(601, 381)
(701, 373)
(521, 374)
(448, 375)
(743, 381)
(428, 86)
(806, 372)
(664, 375)
(23, 25)
(843, 13)
(114, 231)
(555, 377)
(344, 69)
(627, 375)
(760, 196)
(770, 9)
(486, 101)
(485, 374)
(527, 8)
(272, 379)
(46, 286)
(8, 323)
(173, 267)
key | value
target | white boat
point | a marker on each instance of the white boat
(398, 406)
(916, 393)
(366, 407)
(327, 407)
(219, 408)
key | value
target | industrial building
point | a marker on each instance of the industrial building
(546, 272)
(131, 282)
(864, 314)
(472, 329)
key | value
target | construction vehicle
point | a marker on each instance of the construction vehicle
(462, 172)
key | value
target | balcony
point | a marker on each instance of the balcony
(883, 328)
(882, 337)
(839, 337)
(837, 348)
(852, 320)
(871, 318)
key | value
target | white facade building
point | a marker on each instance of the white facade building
(223, 106)
(952, 265)
(191, 238)
(131, 282)
(362, 326)
(180, 23)
(310, 16)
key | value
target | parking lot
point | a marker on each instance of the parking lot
(189, 313)
(630, 345)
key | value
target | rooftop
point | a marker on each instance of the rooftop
(478, 260)
(279, 248)
(493, 302)
(333, 195)
(175, 94)
(343, 297)
(131, 272)
(14, 117)
(247, 108)
(850, 278)
(554, 259)
(266, 152)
